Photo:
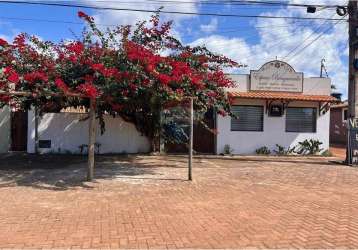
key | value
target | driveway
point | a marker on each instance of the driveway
(146, 202)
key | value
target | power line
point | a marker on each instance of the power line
(238, 2)
(318, 37)
(114, 25)
(222, 31)
(319, 28)
(166, 12)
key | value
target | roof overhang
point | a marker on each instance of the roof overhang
(283, 96)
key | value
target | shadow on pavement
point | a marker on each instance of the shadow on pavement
(62, 172)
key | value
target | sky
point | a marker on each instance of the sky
(250, 41)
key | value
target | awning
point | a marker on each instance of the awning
(284, 96)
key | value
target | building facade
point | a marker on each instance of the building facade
(275, 105)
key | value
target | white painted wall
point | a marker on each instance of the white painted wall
(67, 133)
(243, 142)
(311, 86)
(5, 129)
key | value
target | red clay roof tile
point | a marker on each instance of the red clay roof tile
(282, 96)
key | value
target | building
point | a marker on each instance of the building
(338, 126)
(275, 105)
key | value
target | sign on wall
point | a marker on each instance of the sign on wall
(276, 76)
(352, 141)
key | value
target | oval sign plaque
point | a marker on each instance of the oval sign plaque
(276, 76)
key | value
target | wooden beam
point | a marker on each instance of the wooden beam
(191, 139)
(91, 139)
(24, 93)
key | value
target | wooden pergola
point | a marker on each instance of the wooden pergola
(92, 128)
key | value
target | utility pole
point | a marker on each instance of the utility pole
(353, 54)
(353, 72)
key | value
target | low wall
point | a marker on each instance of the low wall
(67, 133)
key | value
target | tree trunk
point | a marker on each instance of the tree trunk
(154, 143)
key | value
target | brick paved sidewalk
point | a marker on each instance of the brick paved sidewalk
(145, 202)
(338, 151)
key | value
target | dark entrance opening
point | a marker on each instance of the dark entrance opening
(204, 139)
(19, 131)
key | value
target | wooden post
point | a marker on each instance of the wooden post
(91, 139)
(36, 130)
(191, 139)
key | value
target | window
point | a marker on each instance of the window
(301, 120)
(249, 118)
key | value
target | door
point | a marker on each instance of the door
(203, 138)
(19, 131)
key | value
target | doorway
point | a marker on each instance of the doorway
(203, 138)
(19, 131)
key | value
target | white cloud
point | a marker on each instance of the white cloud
(234, 48)
(293, 42)
(129, 17)
(210, 27)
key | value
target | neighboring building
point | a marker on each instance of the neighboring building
(338, 126)
(275, 105)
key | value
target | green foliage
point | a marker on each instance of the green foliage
(263, 151)
(228, 150)
(327, 153)
(309, 147)
(281, 150)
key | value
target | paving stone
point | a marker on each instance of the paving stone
(146, 202)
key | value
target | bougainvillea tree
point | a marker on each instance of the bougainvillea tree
(132, 72)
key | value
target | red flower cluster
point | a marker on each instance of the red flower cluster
(97, 67)
(149, 60)
(3, 42)
(61, 85)
(179, 70)
(75, 47)
(138, 52)
(164, 79)
(5, 98)
(36, 76)
(84, 16)
(88, 89)
(12, 75)
(19, 41)
(106, 72)
(220, 79)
